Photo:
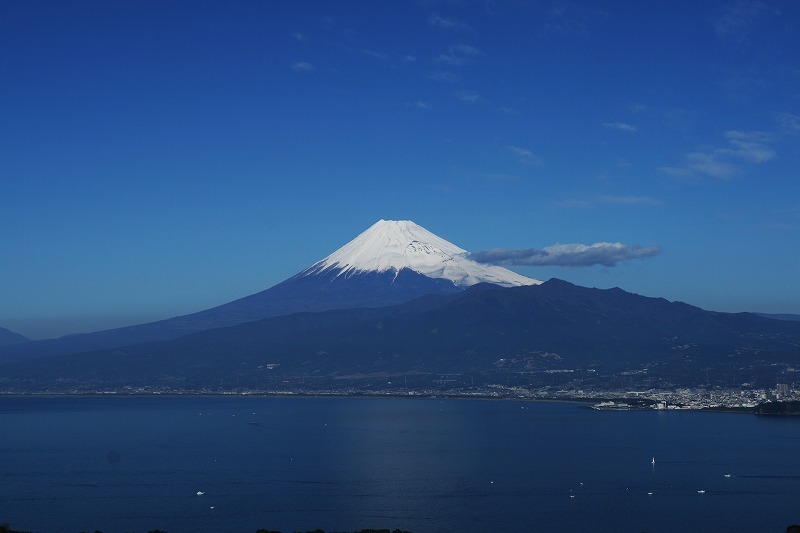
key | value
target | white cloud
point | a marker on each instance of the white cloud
(448, 23)
(302, 66)
(749, 146)
(609, 199)
(627, 200)
(503, 177)
(726, 161)
(619, 126)
(738, 20)
(677, 172)
(789, 123)
(468, 96)
(709, 164)
(458, 55)
(608, 254)
(573, 203)
(572, 19)
(465, 49)
(505, 110)
(525, 155)
(373, 53)
(446, 76)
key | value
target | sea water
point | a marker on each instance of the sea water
(121, 464)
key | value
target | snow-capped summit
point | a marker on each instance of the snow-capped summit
(394, 245)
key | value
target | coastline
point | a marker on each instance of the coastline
(608, 402)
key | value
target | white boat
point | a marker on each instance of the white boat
(200, 493)
(701, 492)
(653, 461)
(727, 475)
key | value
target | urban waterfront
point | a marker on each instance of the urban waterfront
(682, 398)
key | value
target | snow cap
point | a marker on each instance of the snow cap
(397, 244)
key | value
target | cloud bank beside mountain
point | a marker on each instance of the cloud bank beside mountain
(608, 254)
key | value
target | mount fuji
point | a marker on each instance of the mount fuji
(398, 302)
(392, 246)
(392, 262)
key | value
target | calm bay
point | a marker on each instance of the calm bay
(118, 464)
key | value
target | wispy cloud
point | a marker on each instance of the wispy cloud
(608, 199)
(710, 164)
(449, 63)
(373, 53)
(508, 178)
(608, 254)
(788, 122)
(299, 36)
(351, 46)
(468, 96)
(458, 55)
(423, 105)
(619, 126)
(437, 21)
(574, 203)
(748, 145)
(724, 162)
(524, 155)
(567, 18)
(572, 19)
(742, 85)
(627, 200)
(302, 66)
(738, 20)
(445, 75)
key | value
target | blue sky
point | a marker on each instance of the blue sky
(159, 158)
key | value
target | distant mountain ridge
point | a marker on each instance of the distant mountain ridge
(8, 337)
(482, 332)
(389, 263)
(398, 301)
(780, 316)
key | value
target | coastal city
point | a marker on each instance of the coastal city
(688, 398)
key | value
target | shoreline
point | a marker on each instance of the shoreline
(642, 404)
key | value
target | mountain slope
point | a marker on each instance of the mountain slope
(391, 262)
(482, 332)
(8, 337)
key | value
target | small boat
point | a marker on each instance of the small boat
(727, 475)
(653, 461)
(701, 492)
(200, 493)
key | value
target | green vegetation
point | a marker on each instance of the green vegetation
(779, 408)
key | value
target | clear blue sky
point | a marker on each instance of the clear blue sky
(162, 157)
